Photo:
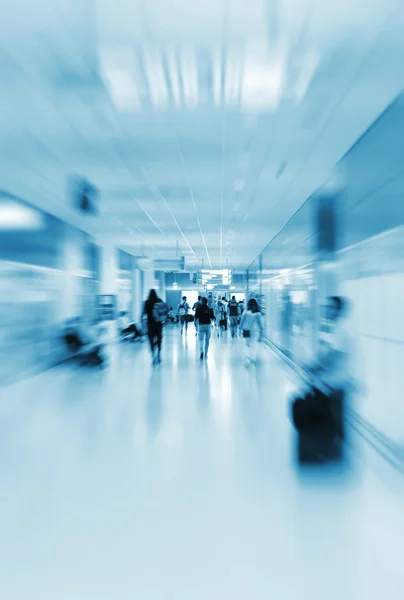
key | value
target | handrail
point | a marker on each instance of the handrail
(379, 442)
(298, 368)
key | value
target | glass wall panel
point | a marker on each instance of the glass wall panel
(287, 282)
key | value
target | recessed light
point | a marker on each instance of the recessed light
(239, 185)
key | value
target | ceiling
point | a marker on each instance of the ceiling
(205, 126)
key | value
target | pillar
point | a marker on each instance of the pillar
(326, 245)
(72, 267)
(109, 270)
(326, 249)
(137, 299)
(109, 273)
(161, 284)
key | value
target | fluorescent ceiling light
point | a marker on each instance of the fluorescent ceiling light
(123, 90)
(16, 217)
(232, 80)
(217, 77)
(155, 77)
(263, 86)
(117, 70)
(309, 66)
(239, 185)
(189, 77)
(174, 77)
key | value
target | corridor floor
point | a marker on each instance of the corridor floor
(179, 483)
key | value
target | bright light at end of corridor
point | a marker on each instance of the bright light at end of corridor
(15, 216)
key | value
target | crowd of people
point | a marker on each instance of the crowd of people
(221, 315)
(316, 410)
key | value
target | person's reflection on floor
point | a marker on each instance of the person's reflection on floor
(154, 404)
(203, 390)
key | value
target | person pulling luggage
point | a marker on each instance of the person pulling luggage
(318, 411)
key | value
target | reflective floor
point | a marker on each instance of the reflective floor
(179, 482)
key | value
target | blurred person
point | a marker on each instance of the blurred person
(73, 336)
(241, 311)
(319, 413)
(234, 314)
(154, 327)
(172, 317)
(96, 342)
(252, 327)
(183, 311)
(127, 328)
(226, 306)
(221, 317)
(195, 307)
(206, 317)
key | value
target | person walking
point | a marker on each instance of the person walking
(226, 311)
(205, 316)
(234, 314)
(252, 327)
(195, 307)
(221, 318)
(154, 327)
(183, 310)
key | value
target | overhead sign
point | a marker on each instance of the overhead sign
(214, 277)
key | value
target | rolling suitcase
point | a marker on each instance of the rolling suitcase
(319, 421)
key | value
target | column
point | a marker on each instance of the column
(137, 298)
(109, 272)
(73, 264)
(325, 250)
(161, 284)
(326, 245)
(109, 267)
(148, 280)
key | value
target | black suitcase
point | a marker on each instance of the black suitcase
(319, 421)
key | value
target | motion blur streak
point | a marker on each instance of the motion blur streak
(217, 148)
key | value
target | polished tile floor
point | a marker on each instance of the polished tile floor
(179, 483)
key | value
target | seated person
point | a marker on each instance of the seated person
(95, 338)
(127, 328)
(73, 335)
(172, 317)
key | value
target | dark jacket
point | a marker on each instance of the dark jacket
(204, 315)
(152, 324)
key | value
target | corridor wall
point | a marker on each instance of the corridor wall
(37, 293)
(368, 266)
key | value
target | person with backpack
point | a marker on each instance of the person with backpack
(183, 310)
(253, 329)
(195, 307)
(205, 317)
(156, 312)
(234, 314)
